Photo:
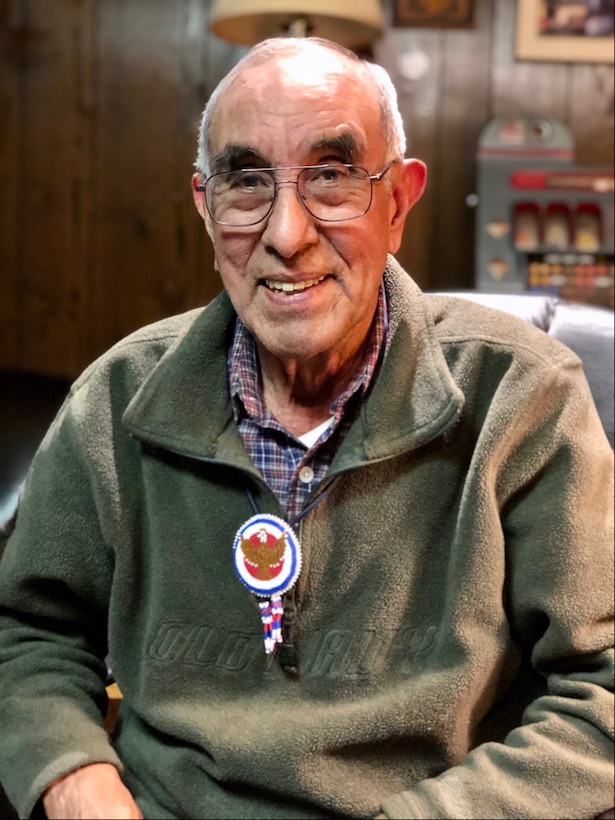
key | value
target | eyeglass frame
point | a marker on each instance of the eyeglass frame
(202, 188)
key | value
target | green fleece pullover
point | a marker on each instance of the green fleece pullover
(453, 613)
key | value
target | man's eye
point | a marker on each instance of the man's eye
(251, 181)
(330, 175)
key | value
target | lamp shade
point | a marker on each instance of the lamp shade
(352, 23)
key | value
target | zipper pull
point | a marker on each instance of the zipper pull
(288, 657)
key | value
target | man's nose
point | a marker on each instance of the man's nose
(290, 227)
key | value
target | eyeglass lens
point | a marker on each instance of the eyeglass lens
(331, 193)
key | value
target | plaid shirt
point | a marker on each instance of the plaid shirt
(292, 470)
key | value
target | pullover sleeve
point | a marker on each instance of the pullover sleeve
(55, 580)
(554, 491)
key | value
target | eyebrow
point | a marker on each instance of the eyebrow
(234, 156)
(345, 145)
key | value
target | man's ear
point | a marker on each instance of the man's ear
(408, 185)
(199, 201)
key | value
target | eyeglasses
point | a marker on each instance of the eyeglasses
(330, 193)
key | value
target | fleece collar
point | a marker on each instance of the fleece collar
(184, 404)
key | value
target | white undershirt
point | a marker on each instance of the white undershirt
(313, 435)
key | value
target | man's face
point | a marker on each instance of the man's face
(294, 112)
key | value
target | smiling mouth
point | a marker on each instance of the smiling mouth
(292, 287)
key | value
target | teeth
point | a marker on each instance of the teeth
(292, 287)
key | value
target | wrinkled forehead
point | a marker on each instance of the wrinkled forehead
(312, 88)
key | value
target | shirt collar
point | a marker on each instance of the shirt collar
(245, 376)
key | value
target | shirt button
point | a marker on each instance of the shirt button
(306, 475)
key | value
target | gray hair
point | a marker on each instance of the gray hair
(390, 117)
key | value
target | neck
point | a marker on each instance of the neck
(300, 393)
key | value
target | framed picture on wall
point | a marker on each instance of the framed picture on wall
(433, 13)
(576, 31)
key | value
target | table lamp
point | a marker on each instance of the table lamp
(352, 23)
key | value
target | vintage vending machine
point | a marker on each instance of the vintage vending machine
(543, 223)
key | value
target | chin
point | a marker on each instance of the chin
(295, 346)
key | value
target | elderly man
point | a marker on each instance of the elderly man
(348, 546)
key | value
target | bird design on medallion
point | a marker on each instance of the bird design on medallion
(267, 555)
(263, 559)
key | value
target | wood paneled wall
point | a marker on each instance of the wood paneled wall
(99, 106)
(465, 77)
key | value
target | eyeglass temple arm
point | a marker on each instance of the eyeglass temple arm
(378, 177)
